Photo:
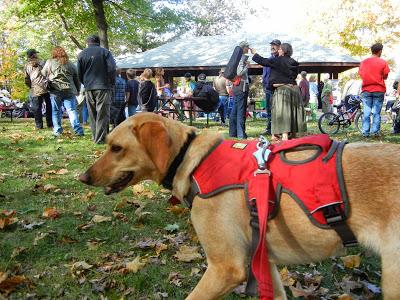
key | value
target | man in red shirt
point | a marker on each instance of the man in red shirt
(373, 71)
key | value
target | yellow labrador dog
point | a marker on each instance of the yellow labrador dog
(144, 146)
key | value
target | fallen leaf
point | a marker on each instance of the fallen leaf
(68, 240)
(100, 219)
(49, 187)
(135, 265)
(62, 172)
(175, 278)
(138, 188)
(187, 254)
(32, 225)
(9, 284)
(345, 297)
(299, 291)
(89, 195)
(351, 261)
(50, 213)
(39, 237)
(81, 265)
(195, 272)
(177, 210)
(160, 247)
(17, 251)
(286, 277)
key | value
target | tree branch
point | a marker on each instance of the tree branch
(128, 12)
(67, 29)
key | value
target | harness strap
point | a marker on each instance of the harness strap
(259, 189)
(251, 285)
(169, 178)
(336, 220)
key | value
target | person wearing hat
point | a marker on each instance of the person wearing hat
(220, 85)
(237, 118)
(275, 44)
(97, 72)
(38, 88)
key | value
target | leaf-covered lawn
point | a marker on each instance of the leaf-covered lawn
(61, 239)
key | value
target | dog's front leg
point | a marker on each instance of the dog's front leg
(279, 290)
(222, 226)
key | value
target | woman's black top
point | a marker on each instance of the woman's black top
(284, 69)
(147, 95)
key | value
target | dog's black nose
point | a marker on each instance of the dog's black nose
(85, 178)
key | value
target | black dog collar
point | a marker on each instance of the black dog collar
(169, 178)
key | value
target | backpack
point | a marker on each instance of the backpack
(208, 92)
(231, 68)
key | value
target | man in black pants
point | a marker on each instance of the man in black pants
(275, 44)
(38, 91)
(96, 70)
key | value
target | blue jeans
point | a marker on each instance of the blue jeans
(130, 110)
(268, 106)
(222, 107)
(372, 104)
(85, 113)
(237, 118)
(69, 103)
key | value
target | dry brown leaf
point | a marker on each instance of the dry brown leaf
(138, 188)
(39, 237)
(62, 172)
(49, 187)
(194, 271)
(89, 195)
(3, 276)
(50, 213)
(177, 210)
(351, 261)
(100, 219)
(135, 265)
(287, 280)
(345, 297)
(160, 247)
(17, 251)
(4, 222)
(80, 265)
(9, 284)
(51, 172)
(187, 254)
(40, 138)
(299, 291)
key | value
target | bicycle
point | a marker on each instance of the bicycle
(330, 122)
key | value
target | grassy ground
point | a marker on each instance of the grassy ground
(68, 241)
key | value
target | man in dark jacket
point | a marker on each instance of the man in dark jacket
(96, 70)
(37, 84)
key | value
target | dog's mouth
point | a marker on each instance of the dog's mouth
(120, 184)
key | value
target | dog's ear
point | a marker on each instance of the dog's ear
(154, 137)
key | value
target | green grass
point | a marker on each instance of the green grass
(27, 156)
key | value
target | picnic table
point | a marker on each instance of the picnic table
(167, 106)
(10, 108)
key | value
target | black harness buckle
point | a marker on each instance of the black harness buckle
(336, 219)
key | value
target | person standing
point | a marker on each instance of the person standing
(326, 94)
(288, 110)
(304, 86)
(96, 70)
(313, 103)
(220, 86)
(117, 109)
(64, 86)
(131, 93)
(237, 119)
(38, 89)
(373, 72)
(147, 94)
(351, 88)
(275, 44)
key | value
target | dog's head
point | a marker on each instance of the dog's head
(139, 148)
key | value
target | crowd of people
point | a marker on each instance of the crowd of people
(94, 91)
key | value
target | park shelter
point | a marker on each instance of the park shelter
(207, 54)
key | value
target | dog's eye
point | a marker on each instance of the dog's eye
(116, 148)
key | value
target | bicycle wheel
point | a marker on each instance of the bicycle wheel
(329, 123)
(358, 121)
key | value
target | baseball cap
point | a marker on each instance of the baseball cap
(244, 44)
(202, 77)
(275, 42)
(187, 75)
(31, 52)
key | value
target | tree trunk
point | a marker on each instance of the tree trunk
(101, 22)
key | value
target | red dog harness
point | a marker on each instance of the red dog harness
(316, 184)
